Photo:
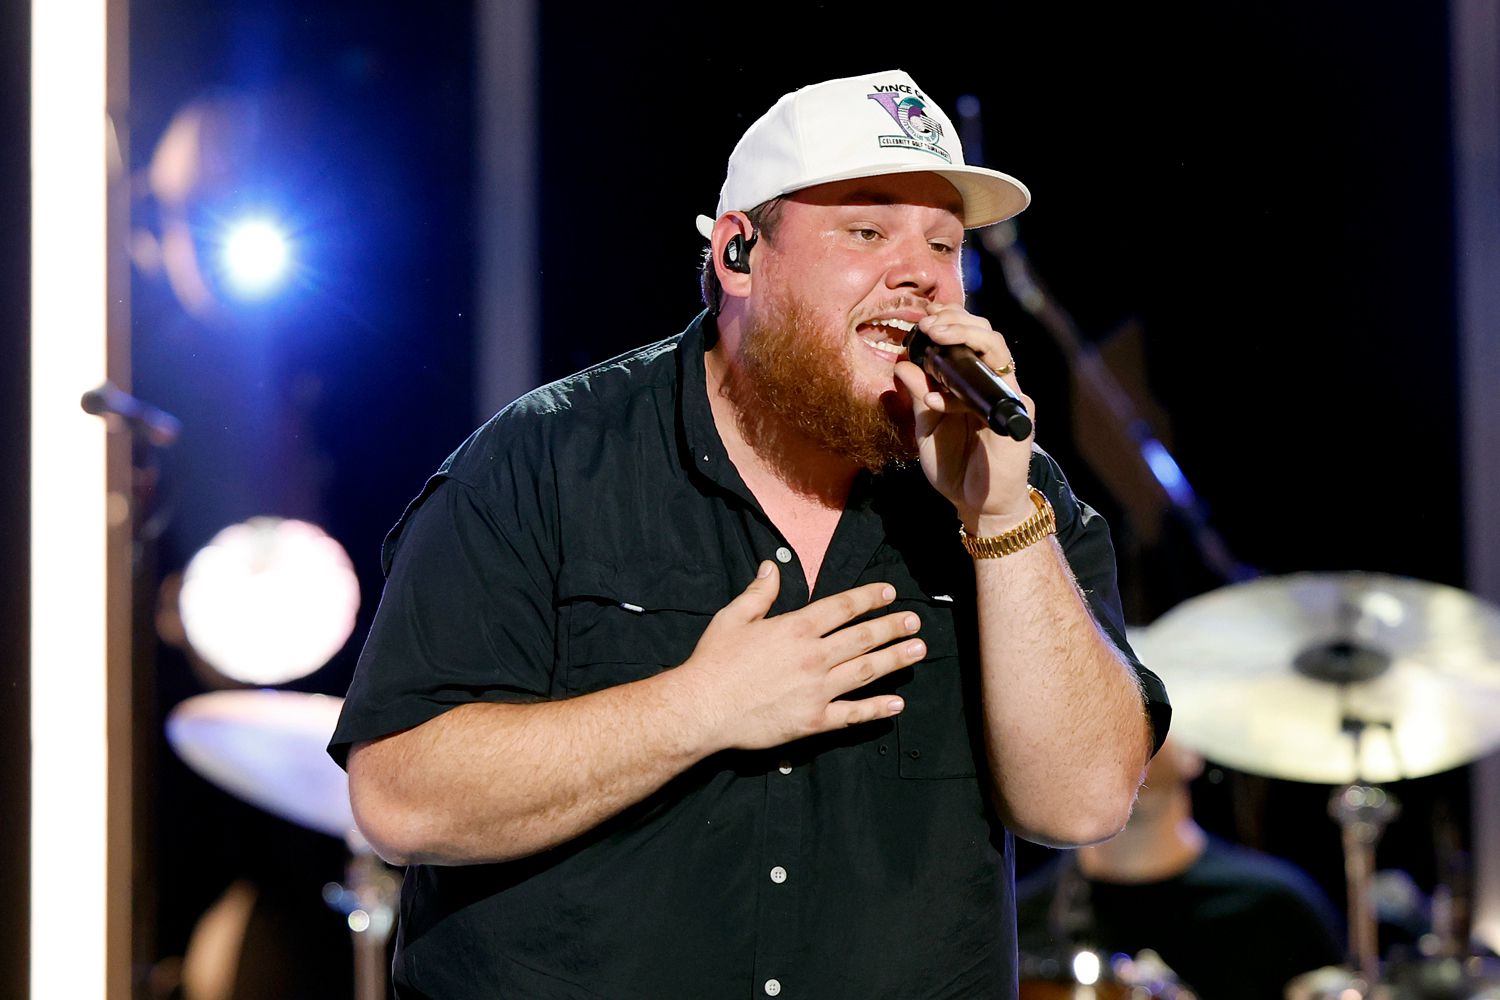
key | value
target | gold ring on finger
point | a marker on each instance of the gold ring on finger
(1007, 369)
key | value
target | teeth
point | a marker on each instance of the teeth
(897, 329)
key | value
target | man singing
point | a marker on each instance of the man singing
(728, 668)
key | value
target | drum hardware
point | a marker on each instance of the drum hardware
(1346, 679)
(1470, 978)
(1442, 978)
(1088, 974)
(269, 749)
(367, 898)
(1362, 812)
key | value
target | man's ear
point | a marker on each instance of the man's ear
(731, 257)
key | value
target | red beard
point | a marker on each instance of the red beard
(794, 378)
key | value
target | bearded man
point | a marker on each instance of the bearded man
(729, 667)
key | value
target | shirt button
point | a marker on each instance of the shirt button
(785, 767)
(783, 555)
(773, 987)
(778, 874)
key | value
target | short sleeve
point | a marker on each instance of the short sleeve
(1085, 540)
(466, 614)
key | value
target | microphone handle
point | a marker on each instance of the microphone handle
(959, 370)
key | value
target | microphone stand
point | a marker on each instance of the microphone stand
(1166, 488)
(151, 431)
(1150, 475)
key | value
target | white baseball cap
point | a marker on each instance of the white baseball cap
(859, 126)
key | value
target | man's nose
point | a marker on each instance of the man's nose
(914, 269)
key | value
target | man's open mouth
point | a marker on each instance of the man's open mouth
(886, 335)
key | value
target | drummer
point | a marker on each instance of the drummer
(1230, 922)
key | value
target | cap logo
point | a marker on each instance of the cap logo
(908, 109)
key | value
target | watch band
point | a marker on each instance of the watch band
(1028, 532)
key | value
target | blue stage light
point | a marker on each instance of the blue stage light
(256, 258)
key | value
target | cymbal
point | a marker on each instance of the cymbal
(1331, 677)
(268, 748)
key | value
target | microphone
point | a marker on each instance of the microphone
(158, 426)
(958, 369)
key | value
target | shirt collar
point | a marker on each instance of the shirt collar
(706, 454)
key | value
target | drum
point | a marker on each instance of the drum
(1437, 978)
(1042, 989)
(1087, 975)
(1434, 978)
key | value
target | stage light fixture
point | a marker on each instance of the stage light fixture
(269, 600)
(257, 255)
(221, 205)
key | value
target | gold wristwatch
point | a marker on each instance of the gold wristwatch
(1028, 532)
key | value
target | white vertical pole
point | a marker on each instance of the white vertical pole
(69, 518)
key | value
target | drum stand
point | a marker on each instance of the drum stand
(1451, 973)
(1362, 811)
(368, 901)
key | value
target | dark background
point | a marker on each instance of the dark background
(1262, 191)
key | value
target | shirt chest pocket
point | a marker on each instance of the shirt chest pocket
(615, 628)
(936, 732)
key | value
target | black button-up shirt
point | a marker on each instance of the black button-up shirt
(583, 538)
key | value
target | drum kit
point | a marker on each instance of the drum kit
(1355, 680)
(268, 748)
